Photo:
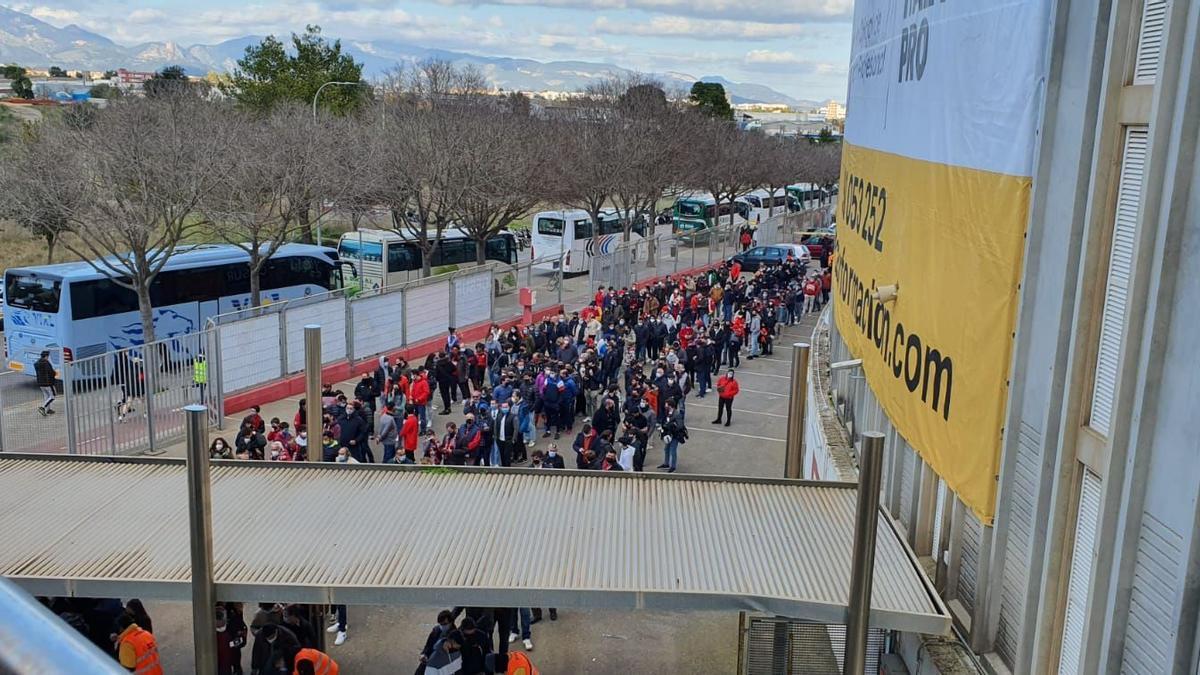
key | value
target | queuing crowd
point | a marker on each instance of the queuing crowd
(610, 382)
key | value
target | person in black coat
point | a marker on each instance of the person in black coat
(353, 432)
(447, 381)
(444, 627)
(607, 417)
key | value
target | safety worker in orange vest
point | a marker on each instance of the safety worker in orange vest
(514, 663)
(136, 648)
(312, 662)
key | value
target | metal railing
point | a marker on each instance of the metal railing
(776, 645)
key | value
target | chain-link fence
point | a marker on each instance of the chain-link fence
(781, 646)
(130, 400)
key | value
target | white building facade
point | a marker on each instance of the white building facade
(1092, 562)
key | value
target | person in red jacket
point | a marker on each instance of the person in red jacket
(727, 390)
(409, 435)
(419, 393)
(735, 271)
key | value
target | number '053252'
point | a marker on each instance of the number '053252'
(867, 210)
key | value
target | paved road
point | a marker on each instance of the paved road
(387, 639)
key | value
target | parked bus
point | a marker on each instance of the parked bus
(699, 212)
(764, 204)
(802, 196)
(568, 236)
(74, 311)
(367, 250)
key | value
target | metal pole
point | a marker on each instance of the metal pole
(312, 383)
(69, 407)
(794, 459)
(312, 420)
(862, 572)
(204, 594)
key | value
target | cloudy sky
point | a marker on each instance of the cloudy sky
(800, 47)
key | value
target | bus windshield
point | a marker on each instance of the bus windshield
(40, 294)
(691, 209)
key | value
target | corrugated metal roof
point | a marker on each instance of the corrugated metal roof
(392, 535)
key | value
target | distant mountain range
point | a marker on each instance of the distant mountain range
(28, 41)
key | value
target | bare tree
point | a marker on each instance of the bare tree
(413, 173)
(43, 214)
(722, 161)
(500, 170)
(774, 169)
(273, 164)
(584, 169)
(130, 181)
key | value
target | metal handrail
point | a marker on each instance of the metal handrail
(36, 641)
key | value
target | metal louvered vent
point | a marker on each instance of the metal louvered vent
(1150, 40)
(1120, 272)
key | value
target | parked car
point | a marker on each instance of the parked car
(819, 244)
(755, 257)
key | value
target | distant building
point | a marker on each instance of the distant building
(132, 78)
(833, 110)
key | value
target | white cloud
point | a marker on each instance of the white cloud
(147, 15)
(766, 56)
(53, 14)
(770, 11)
(685, 27)
(766, 60)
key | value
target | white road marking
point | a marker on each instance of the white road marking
(751, 372)
(692, 404)
(730, 433)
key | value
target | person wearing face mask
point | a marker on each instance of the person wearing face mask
(344, 456)
(272, 642)
(506, 433)
(230, 637)
(727, 389)
(220, 450)
(437, 642)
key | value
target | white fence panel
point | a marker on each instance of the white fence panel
(250, 352)
(473, 299)
(377, 324)
(428, 311)
(331, 316)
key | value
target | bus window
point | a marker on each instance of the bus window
(551, 226)
(403, 258)
(295, 271)
(583, 229)
(690, 209)
(454, 252)
(39, 294)
(100, 297)
(370, 251)
(498, 249)
(610, 227)
(173, 287)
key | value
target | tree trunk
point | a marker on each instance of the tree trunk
(51, 240)
(426, 263)
(146, 311)
(255, 284)
(306, 234)
(480, 251)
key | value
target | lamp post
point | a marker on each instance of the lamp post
(316, 96)
(320, 88)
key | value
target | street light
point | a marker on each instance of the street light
(318, 94)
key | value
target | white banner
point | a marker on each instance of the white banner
(957, 82)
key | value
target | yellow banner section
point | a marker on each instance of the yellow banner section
(951, 240)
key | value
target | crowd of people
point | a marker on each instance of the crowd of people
(613, 378)
(609, 383)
